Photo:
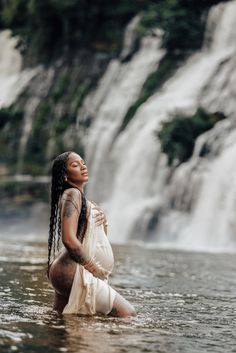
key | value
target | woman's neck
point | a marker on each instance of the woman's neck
(77, 186)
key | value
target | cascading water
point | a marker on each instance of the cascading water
(117, 91)
(144, 195)
(12, 78)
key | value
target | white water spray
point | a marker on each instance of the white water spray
(12, 78)
(131, 167)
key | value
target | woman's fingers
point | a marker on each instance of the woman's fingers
(99, 216)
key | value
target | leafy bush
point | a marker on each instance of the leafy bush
(49, 28)
(10, 132)
(178, 136)
(53, 27)
(9, 115)
(183, 22)
(152, 83)
(26, 192)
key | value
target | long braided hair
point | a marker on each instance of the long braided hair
(58, 185)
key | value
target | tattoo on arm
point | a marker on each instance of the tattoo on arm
(69, 208)
(72, 202)
(78, 256)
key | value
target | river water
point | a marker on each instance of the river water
(185, 303)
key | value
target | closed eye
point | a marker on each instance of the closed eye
(76, 164)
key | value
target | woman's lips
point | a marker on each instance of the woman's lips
(85, 174)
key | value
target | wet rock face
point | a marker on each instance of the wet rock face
(82, 104)
(47, 106)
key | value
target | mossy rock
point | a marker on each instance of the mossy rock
(24, 192)
(178, 136)
(167, 66)
(10, 131)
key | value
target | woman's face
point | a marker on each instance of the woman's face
(76, 169)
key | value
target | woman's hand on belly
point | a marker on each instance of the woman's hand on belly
(96, 269)
(99, 215)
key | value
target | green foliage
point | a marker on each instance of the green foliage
(53, 27)
(49, 28)
(10, 11)
(9, 115)
(46, 125)
(178, 136)
(60, 87)
(36, 149)
(154, 81)
(81, 93)
(26, 192)
(183, 23)
(10, 131)
(53, 116)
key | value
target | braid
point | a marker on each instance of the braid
(82, 219)
(58, 185)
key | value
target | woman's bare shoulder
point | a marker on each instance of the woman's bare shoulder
(72, 192)
(71, 195)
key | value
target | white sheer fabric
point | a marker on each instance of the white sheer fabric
(90, 295)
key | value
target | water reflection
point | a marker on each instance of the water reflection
(185, 302)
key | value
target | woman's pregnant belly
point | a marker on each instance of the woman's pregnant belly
(103, 252)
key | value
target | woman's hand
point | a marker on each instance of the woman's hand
(100, 217)
(96, 269)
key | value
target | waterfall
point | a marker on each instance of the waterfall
(142, 196)
(12, 78)
(130, 38)
(203, 194)
(117, 91)
(30, 108)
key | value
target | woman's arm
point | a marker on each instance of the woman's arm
(70, 211)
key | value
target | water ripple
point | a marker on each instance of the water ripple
(185, 303)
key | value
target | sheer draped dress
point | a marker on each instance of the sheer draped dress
(90, 295)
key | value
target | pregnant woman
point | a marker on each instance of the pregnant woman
(79, 272)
